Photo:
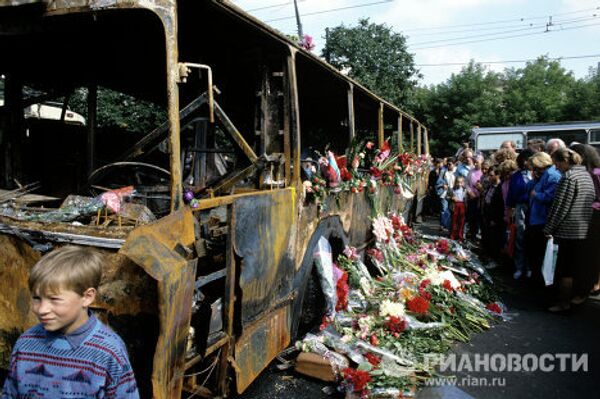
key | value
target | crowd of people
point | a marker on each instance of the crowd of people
(511, 203)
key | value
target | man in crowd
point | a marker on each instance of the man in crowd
(554, 144)
(536, 145)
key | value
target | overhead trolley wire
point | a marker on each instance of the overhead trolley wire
(307, 14)
(508, 61)
(528, 28)
(505, 37)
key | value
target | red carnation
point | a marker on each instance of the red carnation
(418, 305)
(396, 324)
(357, 378)
(375, 172)
(375, 254)
(424, 283)
(396, 222)
(342, 292)
(442, 246)
(494, 307)
(373, 359)
(448, 285)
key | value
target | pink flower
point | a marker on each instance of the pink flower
(351, 253)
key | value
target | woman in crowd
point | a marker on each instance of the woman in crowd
(493, 228)
(518, 204)
(507, 168)
(473, 194)
(443, 186)
(432, 200)
(591, 161)
(568, 222)
(541, 193)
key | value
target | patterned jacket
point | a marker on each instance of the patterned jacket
(571, 210)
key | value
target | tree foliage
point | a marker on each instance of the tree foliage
(119, 111)
(376, 56)
(541, 92)
(472, 97)
(537, 92)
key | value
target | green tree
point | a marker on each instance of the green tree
(583, 98)
(473, 97)
(120, 111)
(375, 56)
(538, 92)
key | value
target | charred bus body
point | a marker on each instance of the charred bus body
(220, 288)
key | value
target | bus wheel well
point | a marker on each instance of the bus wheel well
(308, 306)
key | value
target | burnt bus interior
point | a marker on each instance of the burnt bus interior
(250, 147)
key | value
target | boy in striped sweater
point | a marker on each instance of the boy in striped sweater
(70, 354)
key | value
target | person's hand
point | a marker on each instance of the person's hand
(548, 236)
(532, 194)
(445, 187)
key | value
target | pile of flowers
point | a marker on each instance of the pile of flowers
(364, 167)
(419, 297)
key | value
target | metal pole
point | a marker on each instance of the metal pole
(300, 33)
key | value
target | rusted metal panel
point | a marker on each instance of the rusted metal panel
(259, 344)
(157, 249)
(263, 226)
(16, 260)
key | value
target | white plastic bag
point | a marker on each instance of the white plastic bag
(549, 264)
(324, 263)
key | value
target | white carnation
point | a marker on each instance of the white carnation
(389, 308)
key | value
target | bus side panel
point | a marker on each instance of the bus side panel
(263, 232)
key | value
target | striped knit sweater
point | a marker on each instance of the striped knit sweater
(571, 210)
(46, 365)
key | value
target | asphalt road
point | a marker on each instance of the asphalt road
(530, 329)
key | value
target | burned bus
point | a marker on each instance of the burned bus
(205, 296)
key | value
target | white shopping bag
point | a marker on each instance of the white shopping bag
(549, 264)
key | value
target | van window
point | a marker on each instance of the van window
(568, 136)
(493, 141)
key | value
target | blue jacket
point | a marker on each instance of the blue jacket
(545, 189)
(462, 170)
(517, 189)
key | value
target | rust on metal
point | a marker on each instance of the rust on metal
(15, 316)
(155, 248)
(259, 344)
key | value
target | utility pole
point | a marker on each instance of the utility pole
(300, 33)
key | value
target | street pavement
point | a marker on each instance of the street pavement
(529, 329)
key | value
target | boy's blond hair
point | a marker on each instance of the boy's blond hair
(70, 268)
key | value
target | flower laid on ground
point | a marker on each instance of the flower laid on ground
(395, 324)
(383, 229)
(389, 308)
(373, 359)
(415, 306)
(342, 290)
(494, 307)
(442, 246)
(357, 379)
(418, 304)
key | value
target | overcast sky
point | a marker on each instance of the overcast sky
(455, 31)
